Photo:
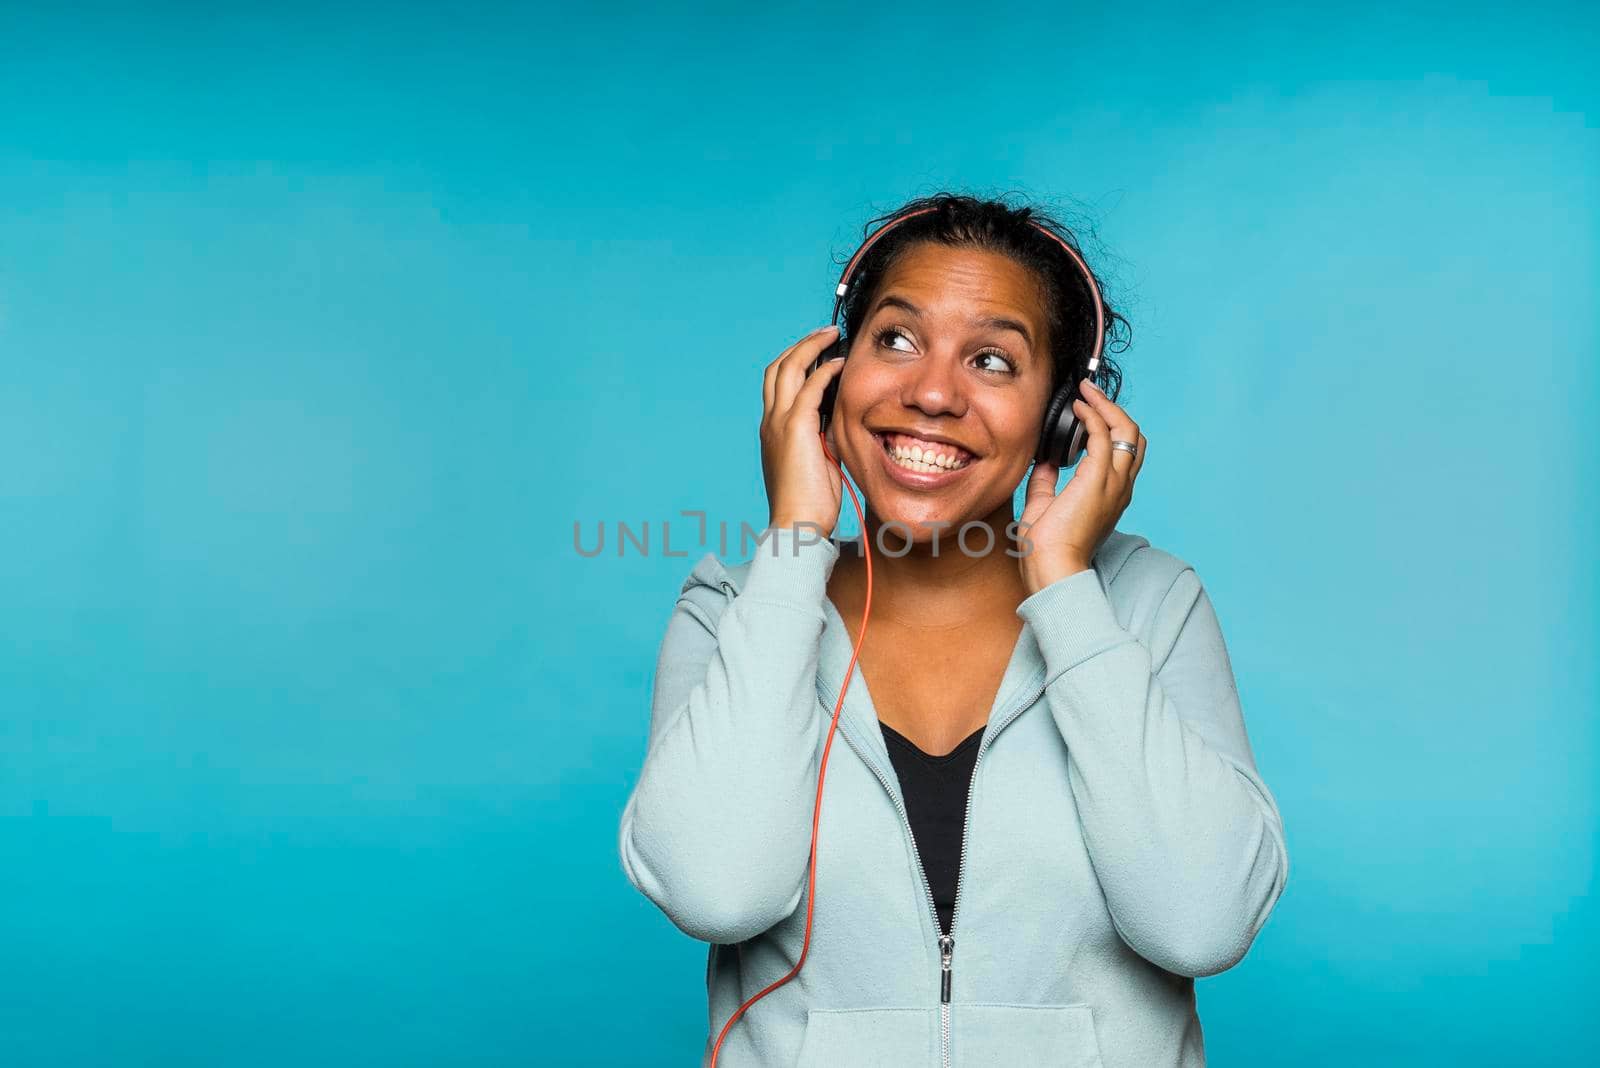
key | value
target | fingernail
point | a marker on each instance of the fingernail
(1089, 384)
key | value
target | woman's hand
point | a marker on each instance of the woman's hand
(1067, 528)
(803, 486)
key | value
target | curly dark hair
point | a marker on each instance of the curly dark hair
(966, 221)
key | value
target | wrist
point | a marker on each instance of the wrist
(800, 523)
(1036, 579)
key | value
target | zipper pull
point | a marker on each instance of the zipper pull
(947, 947)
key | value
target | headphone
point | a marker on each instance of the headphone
(1063, 437)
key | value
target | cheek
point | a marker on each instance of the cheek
(863, 389)
(1013, 422)
(864, 381)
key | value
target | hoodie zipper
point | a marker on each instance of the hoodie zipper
(947, 942)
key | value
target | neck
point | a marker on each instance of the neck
(920, 589)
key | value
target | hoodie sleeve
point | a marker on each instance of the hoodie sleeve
(1184, 836)
(717, 831)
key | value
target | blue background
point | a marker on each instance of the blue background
(320, 330)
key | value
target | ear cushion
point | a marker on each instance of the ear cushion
(825, 409)
(1061, 433)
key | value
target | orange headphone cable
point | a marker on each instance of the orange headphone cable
(816, 813)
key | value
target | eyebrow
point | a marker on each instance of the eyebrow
(998, 322)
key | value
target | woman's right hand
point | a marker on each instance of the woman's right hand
(803, 486)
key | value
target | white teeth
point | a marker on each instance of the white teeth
(915, 458)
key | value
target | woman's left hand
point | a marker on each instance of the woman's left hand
(1067, 528)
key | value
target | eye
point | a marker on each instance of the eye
(996, 354)
(884, 333)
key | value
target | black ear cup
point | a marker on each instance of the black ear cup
(1063, 437)
(1055, 433)
(825, 409)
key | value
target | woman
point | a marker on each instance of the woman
(1047, 821)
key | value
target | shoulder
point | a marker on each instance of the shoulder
(1139, 578)
(706, 590)
(714, 582)
(708, 572)
(1131, 561)
(711, 572)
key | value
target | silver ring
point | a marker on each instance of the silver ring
(1130, 447)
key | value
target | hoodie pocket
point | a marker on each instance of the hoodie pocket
(1058, 1036)
(868, 1038)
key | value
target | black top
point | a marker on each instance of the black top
(935, 790)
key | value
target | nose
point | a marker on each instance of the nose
(933, 386)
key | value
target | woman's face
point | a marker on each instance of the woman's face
(952, 361)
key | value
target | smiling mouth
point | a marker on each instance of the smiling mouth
(922, 456)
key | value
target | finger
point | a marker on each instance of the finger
(1043, 478)
(1041, 490)
(1122, 461)
(801, 355)
(1120, 427)
(792, 368)
(1138, 461)
(1113, 413)
(770, 376)
(808, 400)
(1096, 464)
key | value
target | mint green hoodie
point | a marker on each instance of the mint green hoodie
(1119, 840)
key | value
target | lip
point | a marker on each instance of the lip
(940, 438)
(917, 480)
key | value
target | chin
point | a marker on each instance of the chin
(917, 519)
(920, 535)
